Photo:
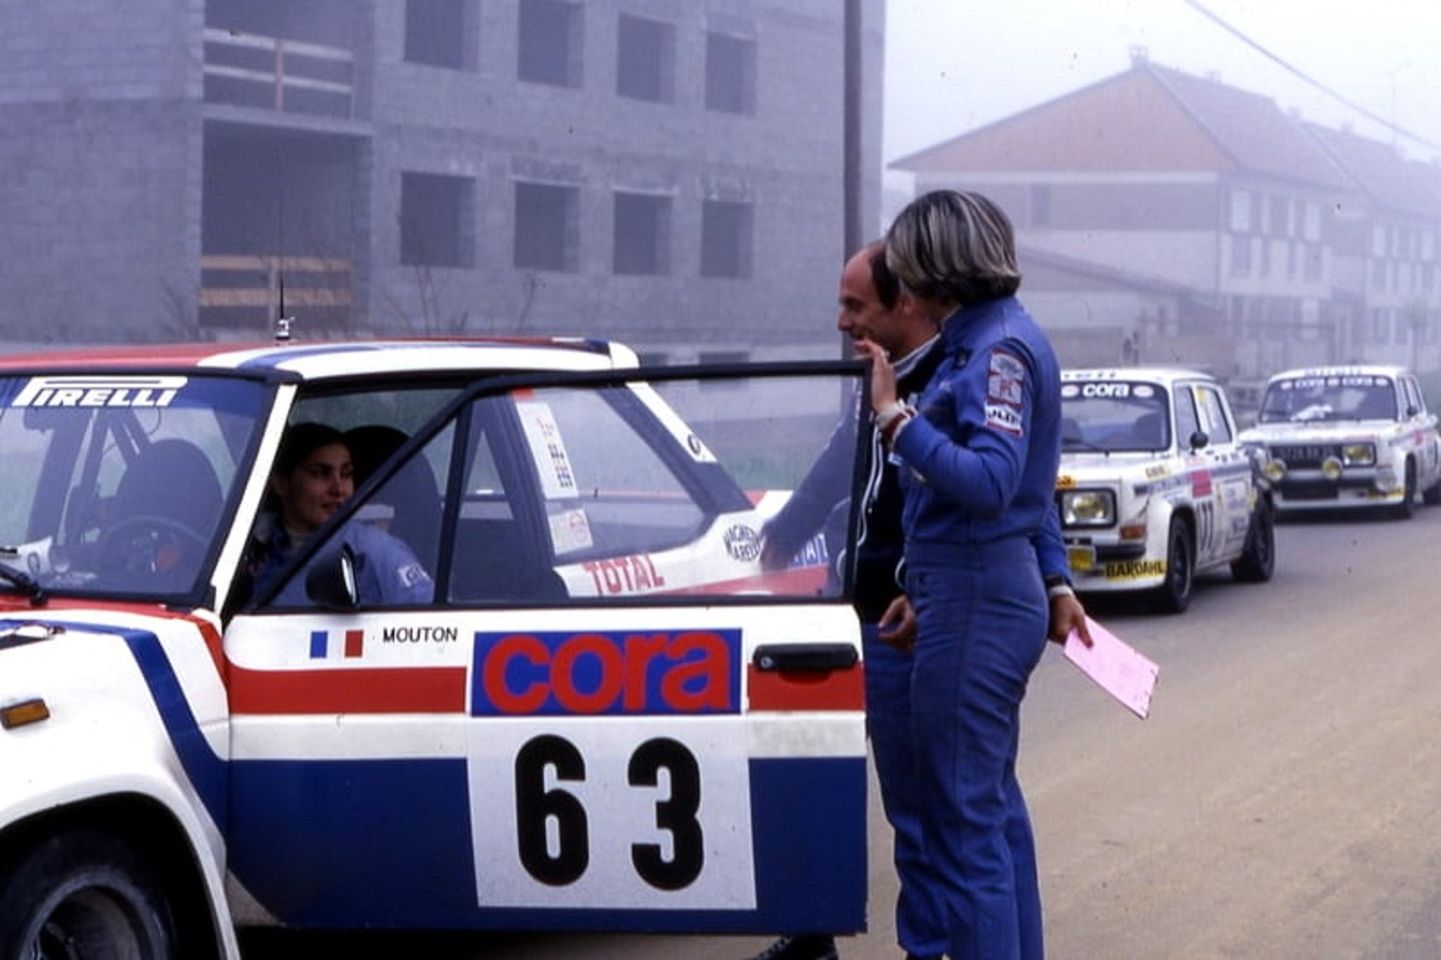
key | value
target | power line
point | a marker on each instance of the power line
(1302, 75)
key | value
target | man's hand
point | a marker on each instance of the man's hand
(883, 375)
(1067, 614)
(898, 624)
(773, 555)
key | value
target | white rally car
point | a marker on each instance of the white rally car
(1153, 487)
(1354, 436)
(609, 717)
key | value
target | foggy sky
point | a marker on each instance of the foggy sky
(954, 65)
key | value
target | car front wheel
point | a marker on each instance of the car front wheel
(1258, 560)
(1407, 506)
(1174, 593)
(83, 895)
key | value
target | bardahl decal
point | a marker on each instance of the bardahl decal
(1134, 569)
(1065, 481)
(99, 391)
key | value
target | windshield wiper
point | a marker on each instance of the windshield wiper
(1076, 443)
(25, 582)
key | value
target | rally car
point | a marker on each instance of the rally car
(609, 717)
(1153, 487)
(1345, 437)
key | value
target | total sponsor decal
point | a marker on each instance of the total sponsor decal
(624, 574)
(98, 391)
(1134, 569)
(606, 673)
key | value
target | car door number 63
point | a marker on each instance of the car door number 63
(611, 814)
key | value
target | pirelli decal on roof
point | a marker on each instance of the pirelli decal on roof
(99, 391)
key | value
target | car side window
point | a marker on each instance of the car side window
(1187, 423)
(1414, 398)
(1213, 413)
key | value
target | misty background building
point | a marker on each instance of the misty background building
(664, 172)
(1166, 217)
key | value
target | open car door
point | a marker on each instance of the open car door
(619, 711)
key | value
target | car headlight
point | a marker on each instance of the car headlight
(1358, 454)
(1274, 470)
(1088, 508)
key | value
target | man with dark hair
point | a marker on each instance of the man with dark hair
(872, 309)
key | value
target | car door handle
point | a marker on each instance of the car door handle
(805, 657)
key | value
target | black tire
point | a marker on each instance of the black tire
(1174, 594)
(1431, 496)
(1407, 507)
(84, 895)
(1258, 560)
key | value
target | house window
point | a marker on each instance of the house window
(642, 234)
(1281, 216)
(1041, 205)
(725, 242)
(730, 73)
(438, 33)
(1312, 224)
(547, 227)
(436, 213)
(1240, 211)
(645, 59)
(550, 42)
(1240, 255)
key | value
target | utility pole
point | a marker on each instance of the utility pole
(851, 238)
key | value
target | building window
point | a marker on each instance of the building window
(547, 227)
(1240, 255)
(1041, 205)
(1311, 228)
(730, 73)
(645, 59)
(436, 213)
(1281, 216)
(550, 42)
(438, 33)
(1240, 211)
(642, 234)
(1313, 261)
(725, 239)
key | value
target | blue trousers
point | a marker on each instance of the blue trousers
(920, 912)
(981, 631)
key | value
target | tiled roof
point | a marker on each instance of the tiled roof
(1379, 171)
(1147, 119)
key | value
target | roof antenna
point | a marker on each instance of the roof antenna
(282, 322)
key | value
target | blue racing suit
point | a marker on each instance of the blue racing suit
(920, 916)
(387, 572)
(978, 468)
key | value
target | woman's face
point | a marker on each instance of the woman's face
(315, 489)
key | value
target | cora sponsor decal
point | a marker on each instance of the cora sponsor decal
(606, 673)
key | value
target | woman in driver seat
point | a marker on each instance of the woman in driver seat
(311, 480)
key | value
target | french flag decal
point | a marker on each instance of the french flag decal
(353, 645)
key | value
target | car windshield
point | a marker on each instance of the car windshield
(1338, 397)
(117, 484)
(1113, 416)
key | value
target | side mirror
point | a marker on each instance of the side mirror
(330, 581)
(1412, 410)
(1199, 440)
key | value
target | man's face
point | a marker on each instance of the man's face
(314, 490)
(862, 315)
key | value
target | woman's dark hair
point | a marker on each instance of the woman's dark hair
(303, 439)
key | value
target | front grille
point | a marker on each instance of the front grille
(1305, 456)
(1309, 490)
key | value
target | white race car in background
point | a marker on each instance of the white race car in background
(1153, 487)
(1343, 437)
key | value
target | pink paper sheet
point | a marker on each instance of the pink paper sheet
(1117, 667)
